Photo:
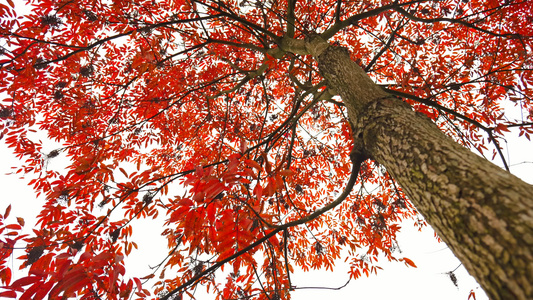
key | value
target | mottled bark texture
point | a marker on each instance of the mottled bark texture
(482, 212)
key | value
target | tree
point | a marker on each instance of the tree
(298, 129)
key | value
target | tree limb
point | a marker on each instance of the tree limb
(357, 158)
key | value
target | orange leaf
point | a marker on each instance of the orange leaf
(287, 172)
(408, 262)
(123, 172)
(148, 277)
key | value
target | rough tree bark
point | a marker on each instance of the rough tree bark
(481, 211)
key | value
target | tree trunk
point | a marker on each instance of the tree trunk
(482, 212)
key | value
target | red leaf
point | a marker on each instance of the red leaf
(185, 202)
(85, 256)
(258, 191)
(138, 283)
(253, 164)
(30, 292)
(8, 294)
(72, 282)
(243, 146)
(14, 226)
(123, 172)
(43, 290)
(8, 210)
(5, 276)
(24, 281)
(214, 188)
(76, 284)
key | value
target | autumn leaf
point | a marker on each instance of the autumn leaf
(8, 294)
(408, 262)
(8, 210)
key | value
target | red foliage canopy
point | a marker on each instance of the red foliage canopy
(180, 108)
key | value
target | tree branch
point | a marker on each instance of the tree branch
(453, 21)
(357, 158)
(291, 19)
(340, 25)
(338, 11)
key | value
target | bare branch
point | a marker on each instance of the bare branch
(290, 18)
(454, 21)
